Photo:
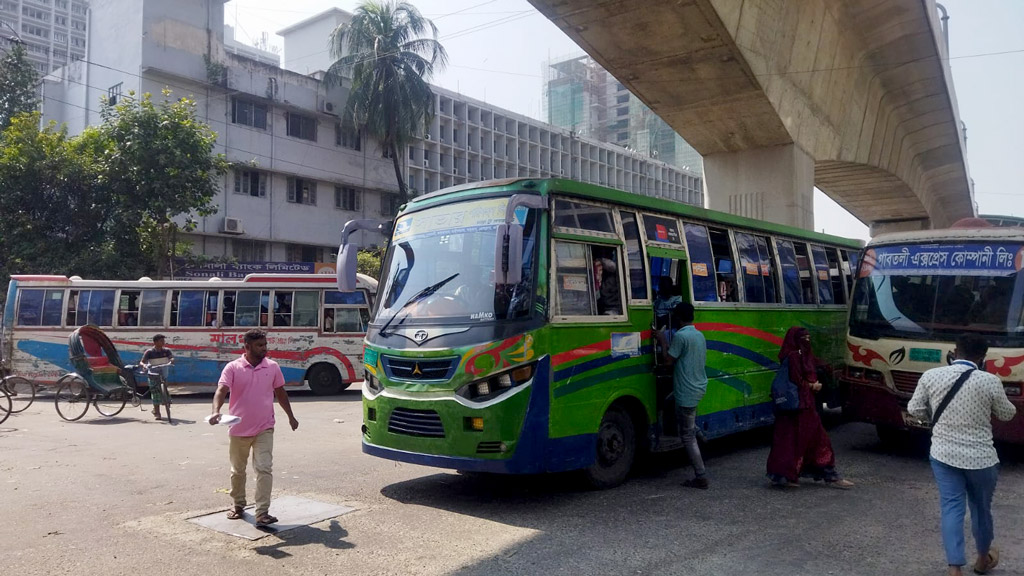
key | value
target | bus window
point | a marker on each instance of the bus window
(40, 307)
(702, 265)
(753, 273)
(790, 272)
(350, 319)
(803, 264)
(725, 269)
(211, 308)
(660, 229)
(344, 311)
(152, 309)
(282, 308)
(849, 268)
(227, 311)
(835, 274)
(187, 308)
(128, 308)
(637, 274)
(587, 279)
(821, 267)
(91, 307)
(768, 269)
(296, 308)
(251, 307)
(579, 216)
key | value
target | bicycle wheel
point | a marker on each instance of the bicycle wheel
(22, 391)
(72, 397)
(166, 398)
(5, 405)
(110, 405)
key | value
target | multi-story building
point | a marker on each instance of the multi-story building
(55, 32)
(261, 55)
(583, 97)
(300, 172)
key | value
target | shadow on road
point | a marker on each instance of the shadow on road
(333, 537)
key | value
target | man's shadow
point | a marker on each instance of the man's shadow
(333, 537)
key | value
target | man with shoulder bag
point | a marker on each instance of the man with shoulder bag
(960, 400)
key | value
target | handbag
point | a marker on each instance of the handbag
(785, 394)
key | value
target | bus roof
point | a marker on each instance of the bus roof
(290, 280)
(949, 235)
(546, 186)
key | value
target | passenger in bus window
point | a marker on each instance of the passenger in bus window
(606, 281)
(727, 291)
(329, 320)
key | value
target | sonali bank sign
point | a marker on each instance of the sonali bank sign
(239, 270)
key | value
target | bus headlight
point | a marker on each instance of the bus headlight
(372, 383)
(497, 384)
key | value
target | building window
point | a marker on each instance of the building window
(35, 30)
(301, 253)
(60, 20)
(78, 25)
(61, 4)
(35, 13)
(347, 136)
(78, 42)
(77, 9)
(300, 126)
(249, 250)
(389, 203)
(248, 113)
(251, 183)
(302, 191)
(114, 94)
(347, 198)
(60, 37)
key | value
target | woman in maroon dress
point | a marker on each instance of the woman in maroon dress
(800, 445)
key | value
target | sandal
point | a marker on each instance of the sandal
(991, 562)
(265, 519)
(840, 483)
(236, 513)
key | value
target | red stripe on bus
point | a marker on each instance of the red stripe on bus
(736, 329)
(589, 350)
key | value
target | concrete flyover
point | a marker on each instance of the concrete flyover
(853, 96)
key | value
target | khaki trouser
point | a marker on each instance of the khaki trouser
(262, 447)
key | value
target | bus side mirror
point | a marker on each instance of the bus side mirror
(348, 252)
(508, 254)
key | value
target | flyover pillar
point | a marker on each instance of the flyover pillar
(775, 184)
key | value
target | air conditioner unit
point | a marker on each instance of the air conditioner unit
(327, 108)
(232, 226)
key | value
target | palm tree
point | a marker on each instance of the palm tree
(384, 52)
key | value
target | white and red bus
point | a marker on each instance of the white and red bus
(314, 331)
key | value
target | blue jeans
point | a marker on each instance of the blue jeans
(686, 419)
(976, 487)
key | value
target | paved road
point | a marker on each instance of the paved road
(111, 497)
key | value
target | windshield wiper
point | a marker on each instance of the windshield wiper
(429, 290)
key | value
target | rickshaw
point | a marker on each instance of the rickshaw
(100, 378)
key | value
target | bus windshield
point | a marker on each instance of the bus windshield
(937, 292)
(440, 265)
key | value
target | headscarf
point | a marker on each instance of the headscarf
(798, 350)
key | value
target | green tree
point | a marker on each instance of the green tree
(58, 217)
(160, 165)
(18, 81)
(384, 52)
(368, 261)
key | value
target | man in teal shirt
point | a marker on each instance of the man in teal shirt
(688, 351)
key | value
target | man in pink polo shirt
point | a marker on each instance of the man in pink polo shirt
(253, 382)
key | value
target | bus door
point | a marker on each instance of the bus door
(670, 286)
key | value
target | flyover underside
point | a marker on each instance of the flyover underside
(858, 85)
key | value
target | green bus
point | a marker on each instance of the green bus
(512, 331)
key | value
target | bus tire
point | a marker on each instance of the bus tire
(615, 450)
(324, 379)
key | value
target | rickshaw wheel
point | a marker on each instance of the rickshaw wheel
(72, 397)
(110, 405)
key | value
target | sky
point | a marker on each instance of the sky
(498, 48)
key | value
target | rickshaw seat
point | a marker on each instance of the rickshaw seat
(94, 353)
